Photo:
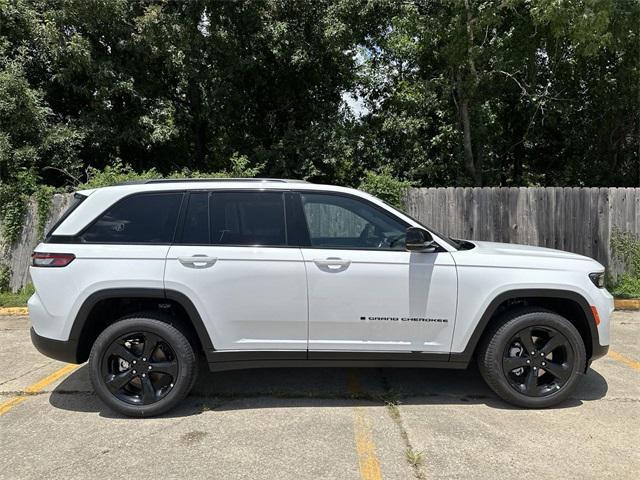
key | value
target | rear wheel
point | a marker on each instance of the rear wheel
(142, 366)
(534, 359)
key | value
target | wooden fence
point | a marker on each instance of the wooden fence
(579, 220)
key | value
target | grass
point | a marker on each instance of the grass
(17, 299)
(415, 459)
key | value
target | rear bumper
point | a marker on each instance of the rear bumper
(63, 350)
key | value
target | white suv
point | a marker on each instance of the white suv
(143, 279)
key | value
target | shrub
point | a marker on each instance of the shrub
(625, 247)
(119, 173)
(384, 185)
(114, 174)
(626, 287)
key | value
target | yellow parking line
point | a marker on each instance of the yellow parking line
(626, 360)
(368, 462)
(36, 387)
(9, 404)
(365, 447)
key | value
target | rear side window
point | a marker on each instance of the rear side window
(143, 218)
(248, 218)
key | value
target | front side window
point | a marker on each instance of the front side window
(143, 218)
(337, 221)
(248, 218)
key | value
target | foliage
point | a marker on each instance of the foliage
(43, 196)
(120, 173)
(384, 185)
(480, 92)
(17, 299)
(627, 286)
(114, 174)
(625, 247)
(5, 277)
(12, 213)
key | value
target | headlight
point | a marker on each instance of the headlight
(597, 279)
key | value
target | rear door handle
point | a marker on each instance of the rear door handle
(198, 261)
(332, 263)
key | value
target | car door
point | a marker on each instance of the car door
(366, 292)
(233, 262)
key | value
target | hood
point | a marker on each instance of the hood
(528, 250)
(513, 255)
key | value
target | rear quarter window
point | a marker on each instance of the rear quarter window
(141, 218)
(77, 199)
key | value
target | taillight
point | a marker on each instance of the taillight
(45, 259)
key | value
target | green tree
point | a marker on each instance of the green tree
(450, 92)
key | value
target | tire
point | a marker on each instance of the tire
(528, 384)
(133, 382)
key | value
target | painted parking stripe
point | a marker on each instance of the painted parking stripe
(368, 462)
(36, 388)
(365, 447)
(618, 357)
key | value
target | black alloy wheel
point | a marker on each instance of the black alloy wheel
(140, 368)
(538, 361)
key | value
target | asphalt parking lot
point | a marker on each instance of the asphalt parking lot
(319, 423)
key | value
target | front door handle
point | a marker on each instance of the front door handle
(332, 263)
(198, 261)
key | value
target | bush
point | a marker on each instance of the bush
(119, 173)
(627, 287)
(625, 247)
(384, 185)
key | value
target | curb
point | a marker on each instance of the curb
(627, 303)
(14, 311)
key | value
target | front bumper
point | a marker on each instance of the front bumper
(63, 350)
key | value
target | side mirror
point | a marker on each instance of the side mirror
(419, 240)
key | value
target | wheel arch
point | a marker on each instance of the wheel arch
(87, 326)
(570, 304)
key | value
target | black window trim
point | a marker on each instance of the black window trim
(177, 234)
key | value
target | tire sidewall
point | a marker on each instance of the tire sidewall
(181, 347)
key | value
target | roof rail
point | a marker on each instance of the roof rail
(196, 180)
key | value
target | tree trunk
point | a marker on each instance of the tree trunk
(471, 164)
(469, 161)
(198, 125)
(518, 155)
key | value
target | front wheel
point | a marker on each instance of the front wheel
(142, 367)
(534, 359)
